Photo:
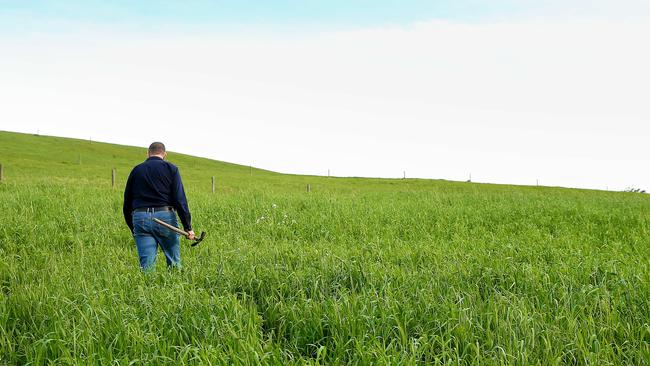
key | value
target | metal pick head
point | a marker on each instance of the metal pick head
(200, 239)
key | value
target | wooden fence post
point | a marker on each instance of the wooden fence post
(2, 173)
(308, 187)
(213, 184)
(113, 178)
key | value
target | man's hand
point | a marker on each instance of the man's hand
(190, 235)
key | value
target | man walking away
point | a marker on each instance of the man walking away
(155, 190)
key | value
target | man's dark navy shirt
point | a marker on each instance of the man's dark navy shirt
(155, 183)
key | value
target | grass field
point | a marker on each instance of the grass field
(358, 271)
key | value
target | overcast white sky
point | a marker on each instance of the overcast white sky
(563, 101)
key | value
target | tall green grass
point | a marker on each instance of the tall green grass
(358, 271)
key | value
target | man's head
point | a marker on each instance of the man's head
(157, 149)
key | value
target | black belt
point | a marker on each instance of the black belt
(154, 209)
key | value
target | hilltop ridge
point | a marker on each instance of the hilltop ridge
(36, 158)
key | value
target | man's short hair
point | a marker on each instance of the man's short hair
(157, 148)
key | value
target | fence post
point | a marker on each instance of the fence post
(213, 184)
(113, 178)
(2, 173)
(308, 188)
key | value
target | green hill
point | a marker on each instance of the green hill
(29, 158)
(32, 158)
(357, 271)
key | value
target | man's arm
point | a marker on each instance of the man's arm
(180, 202)
(127, 207)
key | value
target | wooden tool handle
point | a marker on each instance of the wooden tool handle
(171, 227)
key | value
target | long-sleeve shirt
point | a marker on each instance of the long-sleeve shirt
(155, 183)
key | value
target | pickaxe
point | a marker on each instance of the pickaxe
(182, 232)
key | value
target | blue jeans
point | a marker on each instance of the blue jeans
(148, 235)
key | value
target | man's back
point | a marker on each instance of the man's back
(152, 182)
(156, 183)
